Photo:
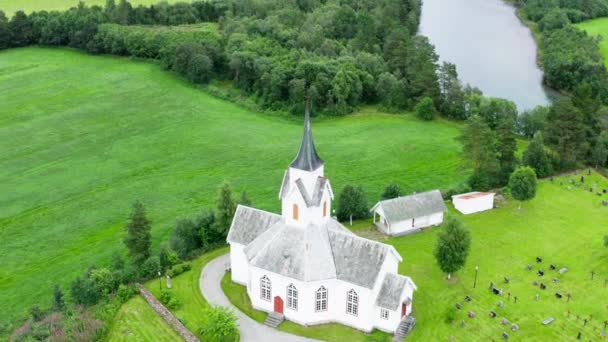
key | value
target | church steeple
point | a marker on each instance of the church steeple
(307, 158)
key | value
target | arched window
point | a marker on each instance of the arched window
(321, 299)
(265, 288)
(352, 303)
(324, 208)
(295, 212)
(292, 297)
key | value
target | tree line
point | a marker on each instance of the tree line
(96, 295)
(341, 53)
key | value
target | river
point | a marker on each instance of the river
(490, 46)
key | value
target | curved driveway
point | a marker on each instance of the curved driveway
(251, 331)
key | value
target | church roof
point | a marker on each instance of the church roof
(313, 200)
(392, 287)
(412, 206)
(307, 158)
(249, 223)
(316, 252)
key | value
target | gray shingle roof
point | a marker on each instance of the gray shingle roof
(319, 189)
(249, 223)
(318, 252)
(392, 287)
(412, 206)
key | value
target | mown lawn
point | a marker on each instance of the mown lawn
(83, 136)
(137, 321)
(598, 27)
(11, 6)
(564, 227)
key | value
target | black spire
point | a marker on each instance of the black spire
(307, 158)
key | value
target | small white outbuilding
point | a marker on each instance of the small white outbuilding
(473, 202)
(409, 214)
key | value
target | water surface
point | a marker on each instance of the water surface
(491, 48)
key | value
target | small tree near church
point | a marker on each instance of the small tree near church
(453, 244)
(225, 209)
(352, 204)
(522, 184)
(138, 239)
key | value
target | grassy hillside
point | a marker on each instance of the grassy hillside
(84, 136)
(598, 27)
(11, 6)
(137, 321)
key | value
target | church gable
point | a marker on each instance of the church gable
(249, 223)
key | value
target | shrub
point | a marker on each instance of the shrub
(220, 325)
(125, 292)
(150, 268)
(425, 109)
(179, 269)
(450, 315)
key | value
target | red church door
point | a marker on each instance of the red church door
(278, 304)
(403, 309)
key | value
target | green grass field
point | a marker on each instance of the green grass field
(83, 136)
(137, 321)
(11, 6)
(563, 226)
(598, 27)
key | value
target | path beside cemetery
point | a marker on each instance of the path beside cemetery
(251, 331)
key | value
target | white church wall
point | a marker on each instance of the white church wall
(238, 263)
(389, 324)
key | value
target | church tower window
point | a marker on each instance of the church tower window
(296, 214)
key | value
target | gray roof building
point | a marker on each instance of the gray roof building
(412, 206)
(389, 296)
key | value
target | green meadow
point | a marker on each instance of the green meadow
(11, 6)
(137, 321)
(84, 136)
(598, 27)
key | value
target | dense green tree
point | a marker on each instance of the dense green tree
(219, 325)
(566, 132)
(425, 109)
(599, 155)
(453, 244)
(391, 191)
(506, 148)
(494, 110)
(480, 151)
(352, 204)
(167, 257)
(22, 30)
(5, 33)
(185, 238)
(536, 157)
(556, 18)
(138, 239)
(452, 92)
(58, 300)
(84, 291)
(531, 121)
(522, 184)
(225, 209)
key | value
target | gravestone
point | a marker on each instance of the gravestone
(555, 281)
(535, 283)
(458, 306)
(543, 286)
(529, 267)
(548, 321)
(536, 297)
(467, 299)
(471, 314)
(552, 267)
(539, 259)
(506, 280)
(504, 321)
(562, 270)
(495, 291)
(558, 295)
(514, 327)
(492, 314)
(169, 282)
(540, 273)
(500, 304)
(505, 336)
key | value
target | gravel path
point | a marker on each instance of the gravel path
(251, 331)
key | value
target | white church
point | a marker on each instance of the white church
(305, 266)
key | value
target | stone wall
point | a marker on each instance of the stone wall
(167, 315)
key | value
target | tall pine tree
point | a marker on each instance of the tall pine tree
(479, 149)
(138, 234)
(536, 157)
(565, 133)
(507, 145)
(225, 209)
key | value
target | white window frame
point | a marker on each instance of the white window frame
(383, 313)
(265, 288)
(292, 297)
(321, 299)
(352, 303)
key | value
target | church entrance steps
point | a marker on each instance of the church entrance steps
(274, 319)
(404, 328)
